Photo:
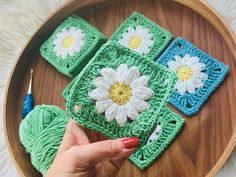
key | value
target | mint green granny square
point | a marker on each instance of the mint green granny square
(142, 35)
(120, 93)
(168, 126)
(72, 45)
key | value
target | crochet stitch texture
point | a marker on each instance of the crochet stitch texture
(216, 71)
(112, 55)
(171, 124)
(76, 57)
(160, 36)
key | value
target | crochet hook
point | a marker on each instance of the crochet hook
(28, 102)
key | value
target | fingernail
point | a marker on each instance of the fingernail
(130, 143)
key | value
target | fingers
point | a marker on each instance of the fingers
(74, 136)
(105, 150)
(76, 131)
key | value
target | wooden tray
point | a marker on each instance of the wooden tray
(207, 139)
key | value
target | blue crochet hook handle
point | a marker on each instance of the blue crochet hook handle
(29, 101)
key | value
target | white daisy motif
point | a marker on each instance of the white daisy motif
(138, 39)
(121, 94)
(68, 41)
(190, 73)
(155, 134)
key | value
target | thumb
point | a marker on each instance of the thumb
(105, 150)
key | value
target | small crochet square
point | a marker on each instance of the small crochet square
(120, 93)
(168, 126)
(72, 45)
(142, 35)
(198, 73)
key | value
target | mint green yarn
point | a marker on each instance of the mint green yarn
(41, 133)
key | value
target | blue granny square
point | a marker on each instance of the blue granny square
(198, 73)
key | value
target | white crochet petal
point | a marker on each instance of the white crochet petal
(121, 116)
(187, 56)
(198, 83)
(103, 105)
(63, 53)
(203, 76)
(109, 75)
(140, 81)
(122, 72)
(198, 67)
(138, 104)
(172, 65)
(195, 60)
(143, 93)
(99, 94)
(132, 75)
(130, 30)
(145, 49)
(64, 31)
(191, 87)
(154, 136)
(123, 42)
(178, 61)
(111, 112)
(181, 87)
(131, 111)
(101, 83)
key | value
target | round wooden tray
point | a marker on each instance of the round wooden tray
(206, 140)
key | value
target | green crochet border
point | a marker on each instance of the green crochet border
(161, 36)
(171, 124)
(72, 65)
(66, 91)
(112, 55)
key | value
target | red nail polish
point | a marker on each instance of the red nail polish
(130, 143)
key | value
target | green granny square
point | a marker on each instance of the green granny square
(72, 45)
(120, 93)
(168, 126)
(142, 35)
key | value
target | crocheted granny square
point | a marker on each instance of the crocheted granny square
(120, 93)
(66, 91)
(198, 75)
(72, 45)
(168, 126)
(142, 35)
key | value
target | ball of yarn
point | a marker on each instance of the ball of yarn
(41, 133)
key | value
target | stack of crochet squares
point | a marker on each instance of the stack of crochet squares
(122, 92)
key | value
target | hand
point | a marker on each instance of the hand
(76, 157)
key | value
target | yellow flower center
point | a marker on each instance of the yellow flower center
(68, 41)
(184, 73)
(135, 42)
(120, 93)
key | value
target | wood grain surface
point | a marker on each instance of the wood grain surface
(207, 138)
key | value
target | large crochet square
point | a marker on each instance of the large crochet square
(168, 126)
(198, 73)
(142, 35)
(153, 95)
(72, 45)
